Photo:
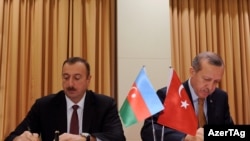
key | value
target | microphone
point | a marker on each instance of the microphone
(56, 135)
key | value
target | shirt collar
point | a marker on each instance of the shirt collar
(193, 94)
(71, 103)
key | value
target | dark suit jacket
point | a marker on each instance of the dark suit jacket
(217, 112)
(49, 113)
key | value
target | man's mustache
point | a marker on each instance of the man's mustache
(71, 89)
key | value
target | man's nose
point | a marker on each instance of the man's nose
(211, 86)
(71, 82)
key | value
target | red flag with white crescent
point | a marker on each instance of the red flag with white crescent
(178, 111)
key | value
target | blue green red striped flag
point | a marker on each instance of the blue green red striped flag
(141, 101)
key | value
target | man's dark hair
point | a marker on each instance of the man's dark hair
(211, 57)
(74, 60)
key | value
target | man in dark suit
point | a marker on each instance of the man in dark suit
(205, 73)
(97, 114)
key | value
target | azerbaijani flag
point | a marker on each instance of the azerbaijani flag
(141, 102)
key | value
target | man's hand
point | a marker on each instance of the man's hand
(200, 134)
(71, 137)
(27, 136)
(198, 137)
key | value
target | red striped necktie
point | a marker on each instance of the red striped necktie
(74, 124)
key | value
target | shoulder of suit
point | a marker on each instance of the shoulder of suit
(52, 96)
(219, 93)
(98, 95)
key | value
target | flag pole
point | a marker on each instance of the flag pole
(153, 128)
(162, 133)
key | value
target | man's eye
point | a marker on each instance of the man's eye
(206, 79)
(65, 77)
(77, 77)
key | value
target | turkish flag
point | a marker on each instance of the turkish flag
(178, 111)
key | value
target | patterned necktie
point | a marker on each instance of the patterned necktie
(202, 118)
(74, 124)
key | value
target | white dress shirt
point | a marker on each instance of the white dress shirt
(79, 112)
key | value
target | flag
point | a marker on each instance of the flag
(141, 101)
(178, 113)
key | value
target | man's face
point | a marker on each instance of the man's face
(75, 80)
(206, 80)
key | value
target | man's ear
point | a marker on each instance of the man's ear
(89, 77)
(191, 71)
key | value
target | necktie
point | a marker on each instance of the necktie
(74, 124)
(202, 118)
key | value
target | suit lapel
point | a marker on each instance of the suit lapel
(185, 84)
(89, 110)
(61, 112)
(210, 108)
